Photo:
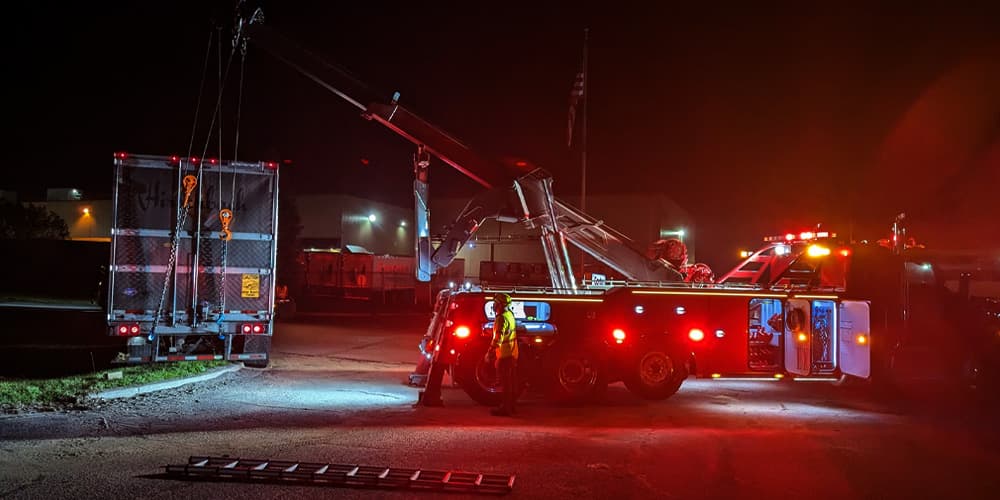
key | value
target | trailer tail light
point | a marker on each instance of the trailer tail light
(175, 160)
(121, 155)
(462, 332)
(253, 329)
(128, 330)
(271, 165)
(696, 334)
(212, 161)
(619, 335)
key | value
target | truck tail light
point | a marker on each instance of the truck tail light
(619, 335)
(462, 332)
(696, 334)
(121, 155)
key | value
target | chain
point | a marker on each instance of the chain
(190, 182)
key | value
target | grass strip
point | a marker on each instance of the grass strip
(32, 392)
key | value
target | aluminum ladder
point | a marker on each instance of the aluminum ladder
(344, 475)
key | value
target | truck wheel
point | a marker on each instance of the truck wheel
(477, 377)
(656, 375)
(575, 376)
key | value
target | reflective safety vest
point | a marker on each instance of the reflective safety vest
(505, 336)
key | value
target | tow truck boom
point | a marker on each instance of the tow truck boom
(512, 195)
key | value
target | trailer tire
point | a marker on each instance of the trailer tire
(256, 363)
(656, 374)
(575, 376)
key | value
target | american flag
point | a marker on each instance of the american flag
(575, 95)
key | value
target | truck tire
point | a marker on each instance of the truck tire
(575, 376)
(656, 374)
(477, 377)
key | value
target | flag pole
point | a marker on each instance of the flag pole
(583, 139)
(583, 147)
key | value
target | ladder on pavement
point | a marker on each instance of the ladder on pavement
(347, 475)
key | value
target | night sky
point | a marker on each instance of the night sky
(757, 120)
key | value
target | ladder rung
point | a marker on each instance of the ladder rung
(353, 472)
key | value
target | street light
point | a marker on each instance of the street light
(372, 218)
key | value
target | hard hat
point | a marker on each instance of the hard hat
(502, 298)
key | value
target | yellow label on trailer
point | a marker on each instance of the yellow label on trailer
(251, 286)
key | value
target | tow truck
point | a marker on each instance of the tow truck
(799, 307)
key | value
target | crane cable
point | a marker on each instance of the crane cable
(226, 214)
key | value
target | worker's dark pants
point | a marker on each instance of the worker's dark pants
(507, 372)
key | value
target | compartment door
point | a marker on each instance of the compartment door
(855, 339)
(798, 355)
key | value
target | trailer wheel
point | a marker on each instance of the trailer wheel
(575, 376)
(656, 374)
(256, 363)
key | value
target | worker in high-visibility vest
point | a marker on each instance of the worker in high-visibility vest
(503, 352)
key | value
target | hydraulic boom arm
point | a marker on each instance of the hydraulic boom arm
(511, 195)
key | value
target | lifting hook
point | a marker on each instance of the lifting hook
(190, 182)
(225, 217)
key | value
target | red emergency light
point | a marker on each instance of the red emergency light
(175, 160)
(121, 155)
(213, 161)
(462, 332)
(696, 334)
(271, 165)
(619, 335)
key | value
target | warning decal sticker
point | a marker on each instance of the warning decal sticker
(251, 286)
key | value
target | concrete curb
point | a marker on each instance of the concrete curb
(126, 392)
